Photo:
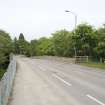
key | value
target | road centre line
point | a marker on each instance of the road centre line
(67, 83)
(94, 99)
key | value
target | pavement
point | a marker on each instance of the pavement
(49, 82)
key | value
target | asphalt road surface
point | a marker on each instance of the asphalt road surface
(49, 82)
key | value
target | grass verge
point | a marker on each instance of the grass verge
(94, 65)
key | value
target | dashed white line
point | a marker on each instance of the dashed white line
(94, 99)
(67, 83)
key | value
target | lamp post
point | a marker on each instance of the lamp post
(75, 16)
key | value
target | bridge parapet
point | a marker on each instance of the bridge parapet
(7, 82)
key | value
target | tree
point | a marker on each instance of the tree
(33, 46)
(84, 39)
(69, 47)
(16, 46)
(60, 42)
(5, 48)
(44, 46)
(22, 44)
(21, 37)
(100, 47)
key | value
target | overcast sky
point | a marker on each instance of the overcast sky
(37, 18)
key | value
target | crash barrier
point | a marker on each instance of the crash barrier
(7, 82)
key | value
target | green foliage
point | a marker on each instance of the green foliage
(5, 48)
(44, 47)
(21, 37)
(84, 39)
(100, 47)
(2, 72)
(69, 46)
(60, 42)
(15, 46)
(33, 47)
(21, 46)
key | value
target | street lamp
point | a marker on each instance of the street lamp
(75, 16)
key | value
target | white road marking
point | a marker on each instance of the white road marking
(67, 83)
(94, 99)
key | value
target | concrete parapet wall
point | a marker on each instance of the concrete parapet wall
(7, 82)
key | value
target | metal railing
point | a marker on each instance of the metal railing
(7, 82)
(81, 59)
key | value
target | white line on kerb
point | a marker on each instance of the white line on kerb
(94, 99)
(67, 83)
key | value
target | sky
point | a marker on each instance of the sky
(38, 18)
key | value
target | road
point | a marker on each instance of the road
(49, 82)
